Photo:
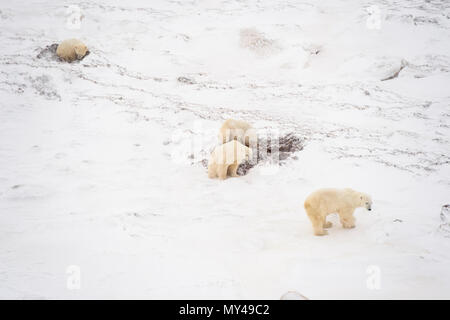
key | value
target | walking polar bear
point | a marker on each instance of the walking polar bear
(323, 202)
(237, 130)
(225, 159)
(71, 50)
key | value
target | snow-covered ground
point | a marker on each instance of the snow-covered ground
(102, 190)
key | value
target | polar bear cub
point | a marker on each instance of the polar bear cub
(71, 50)
(237, 130)
(225, 159)
(323, 202)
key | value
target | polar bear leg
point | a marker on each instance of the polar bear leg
(317, 221)
(318, 228)
(212, 171)
(327, 224)
(222, 170)
(347, 219)
(232, 170)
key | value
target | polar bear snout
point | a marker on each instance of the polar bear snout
(366, 201)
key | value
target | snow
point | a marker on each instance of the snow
(100, 160)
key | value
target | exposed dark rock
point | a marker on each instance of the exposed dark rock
(445, 220)
(186, 80)
(288, 145)
(267, 151)
(49, 53)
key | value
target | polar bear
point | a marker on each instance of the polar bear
(323, 202)
(226, 158)
(71, 50)
(237, 130)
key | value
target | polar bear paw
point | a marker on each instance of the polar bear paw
(321, 232)
(327, 224)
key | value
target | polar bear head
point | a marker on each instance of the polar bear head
(365, 201)
(80, 50)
